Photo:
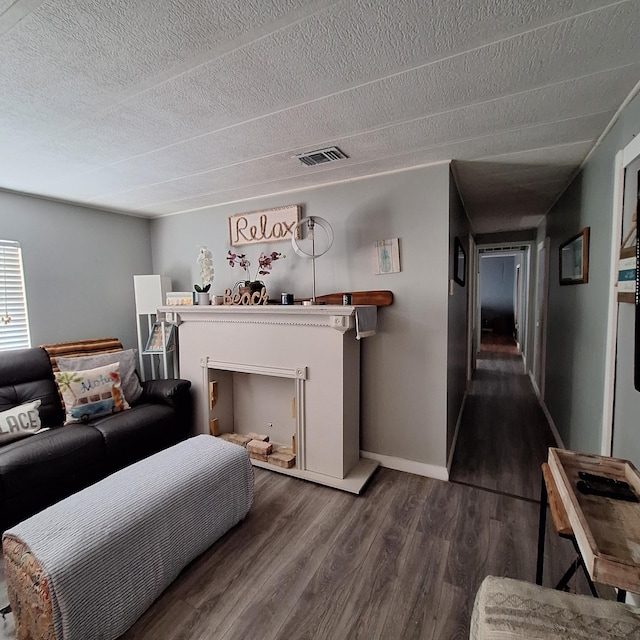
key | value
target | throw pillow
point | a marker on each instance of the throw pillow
(92, 393)
(127, 361)
(19, 422)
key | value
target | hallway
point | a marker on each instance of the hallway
(504, 435)
(503, 440)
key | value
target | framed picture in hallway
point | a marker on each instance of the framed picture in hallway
(574, 259)
(459, 262)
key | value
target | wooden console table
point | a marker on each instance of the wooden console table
(605, 532)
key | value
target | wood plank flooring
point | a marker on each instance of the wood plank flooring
(504, 435)
(402, 561)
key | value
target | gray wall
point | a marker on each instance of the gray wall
(79, 265)
(577, 321)
(404, 366)
(457, 328)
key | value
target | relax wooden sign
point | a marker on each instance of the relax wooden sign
(271, 225)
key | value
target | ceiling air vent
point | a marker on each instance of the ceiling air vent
(312, 158)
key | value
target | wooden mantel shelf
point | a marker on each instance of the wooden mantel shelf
(266, 309)
(339, 317)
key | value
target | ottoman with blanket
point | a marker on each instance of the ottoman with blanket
(508, 609)
(90, 565)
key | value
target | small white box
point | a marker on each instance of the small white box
(179, 298)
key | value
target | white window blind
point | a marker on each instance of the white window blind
(14, 322)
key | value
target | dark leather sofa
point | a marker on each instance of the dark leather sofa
(41, 469)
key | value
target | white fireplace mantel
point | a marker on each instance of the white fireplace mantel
(339, 317)
(315, 347)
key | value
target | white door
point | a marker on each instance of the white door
(517, 300)
(473, 343)
(626, 401)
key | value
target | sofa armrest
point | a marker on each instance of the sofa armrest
(174, 393)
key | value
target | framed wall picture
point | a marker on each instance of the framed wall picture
(156, 343)
(386, 256)
(574, 259)
(459, 263)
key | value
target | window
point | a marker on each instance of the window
(14, 322)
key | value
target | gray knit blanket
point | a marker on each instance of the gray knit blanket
(110, 550)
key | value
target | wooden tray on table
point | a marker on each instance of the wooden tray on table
(607, 530)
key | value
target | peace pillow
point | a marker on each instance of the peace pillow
(19, 422)
(92, 393)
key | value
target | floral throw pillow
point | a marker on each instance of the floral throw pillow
(91, 393)
(19, 422)
(127, 360)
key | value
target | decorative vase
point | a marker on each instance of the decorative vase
(203, 298)
(250, 286)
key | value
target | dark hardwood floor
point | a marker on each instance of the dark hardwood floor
(504, 435)
(402, 561)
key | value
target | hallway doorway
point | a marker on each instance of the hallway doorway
(502, 307)
(504, 435)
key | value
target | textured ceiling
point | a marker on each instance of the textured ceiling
(166, 106)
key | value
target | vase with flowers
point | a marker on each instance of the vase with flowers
(205, 262)
(265, 264)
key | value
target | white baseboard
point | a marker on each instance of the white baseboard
(535, 386)
(455, 434)
(547, 415)
(410, 466)
(552, 426)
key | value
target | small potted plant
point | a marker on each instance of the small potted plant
(205, 261)
(265, 264)
(202, 293)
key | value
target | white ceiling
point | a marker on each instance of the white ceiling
(156, 107)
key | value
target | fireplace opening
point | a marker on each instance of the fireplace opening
(259, 411)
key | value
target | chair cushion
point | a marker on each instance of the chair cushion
(508, 609)
(137, 433)
(38, 471)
